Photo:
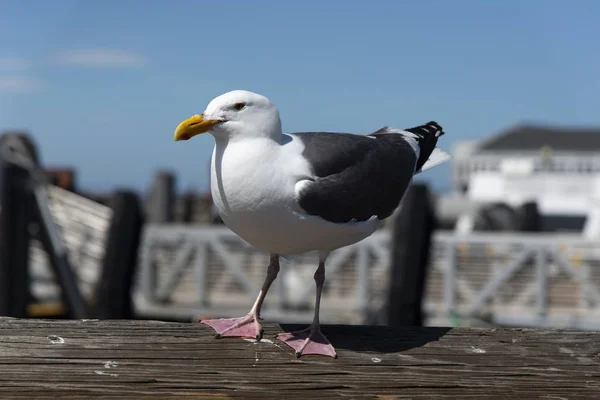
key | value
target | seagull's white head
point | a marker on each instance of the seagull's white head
(236, 114)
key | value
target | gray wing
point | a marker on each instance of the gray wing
(356, 177)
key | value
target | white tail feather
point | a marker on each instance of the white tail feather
(437, 157)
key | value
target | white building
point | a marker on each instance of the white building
(556, 167)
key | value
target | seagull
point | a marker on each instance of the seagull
(294, 193)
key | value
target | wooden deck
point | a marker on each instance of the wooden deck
(148, 359)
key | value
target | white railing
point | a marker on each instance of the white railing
(508, 279)
(524, 279)
(187, 271)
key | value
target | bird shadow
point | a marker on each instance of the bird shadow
(380, 339)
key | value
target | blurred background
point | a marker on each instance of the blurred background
(104, 216)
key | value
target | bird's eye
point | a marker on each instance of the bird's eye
(239, 106)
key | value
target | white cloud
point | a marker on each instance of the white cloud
(21, 84)
(101, 58)
(14, 64)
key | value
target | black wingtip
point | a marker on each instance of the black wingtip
(423, 131)
(428, 135)
(429, 128)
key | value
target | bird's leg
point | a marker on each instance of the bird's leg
(248, 325)
(311, 340)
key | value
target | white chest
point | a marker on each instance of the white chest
(252, 183)
(248, 177)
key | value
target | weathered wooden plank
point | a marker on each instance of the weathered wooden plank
(143, 359)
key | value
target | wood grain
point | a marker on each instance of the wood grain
(148, 359)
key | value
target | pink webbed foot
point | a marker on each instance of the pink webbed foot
(247, 326)
(308, 341)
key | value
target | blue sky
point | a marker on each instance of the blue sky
(102, 84)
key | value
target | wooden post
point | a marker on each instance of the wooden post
(15, 216)
(20, 143)
(410, 256)
(113, 292)
(186, 208)
(18, 156)
(162, 198)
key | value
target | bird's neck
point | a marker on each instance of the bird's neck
(271, 135)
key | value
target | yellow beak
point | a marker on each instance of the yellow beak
(194, 126)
